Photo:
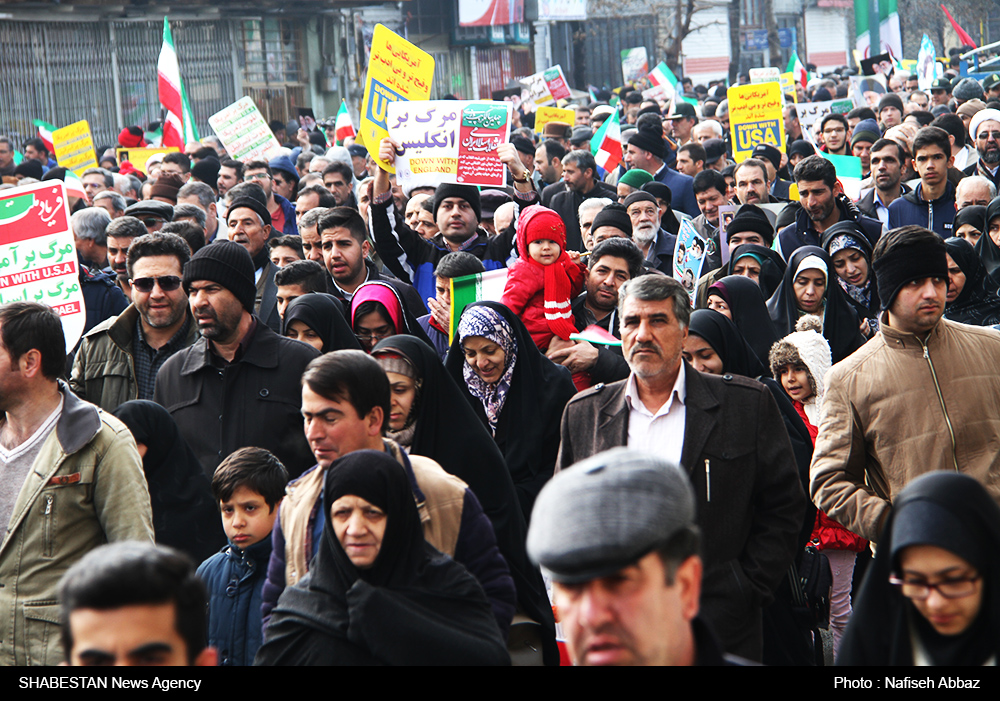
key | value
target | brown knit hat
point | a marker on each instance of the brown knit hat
(166, 186)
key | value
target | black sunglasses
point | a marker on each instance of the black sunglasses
(167, 283)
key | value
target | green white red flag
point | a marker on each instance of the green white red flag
(607, 143)
(45, 133)
(178, 123)
(344, 127)
(798, 71)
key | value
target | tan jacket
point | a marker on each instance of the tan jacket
(86, 489)
(899, 407)
(440, 511)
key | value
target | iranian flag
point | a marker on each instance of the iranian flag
(663, 77)
(962, 34)
(607, 143)
(470, 289)
(344, 127)
(45, 133)
(74, 186)
(888, 28)
(797, 70)
(178, 124)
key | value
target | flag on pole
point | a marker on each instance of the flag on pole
(344, 127)
(797, 70)
(889, 34)
(962, 34)
(45, 133)
(607, 143)
(178, 124)
(663, 77)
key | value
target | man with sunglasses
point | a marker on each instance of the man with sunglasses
(119, 358)
(151, 213)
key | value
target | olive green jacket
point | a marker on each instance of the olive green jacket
(104, 367)
(85, 489)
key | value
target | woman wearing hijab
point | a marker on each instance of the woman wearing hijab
(318, 319)
(516, 392)
(377, 592)
(932, 595)
(806, 289)
(428, 406)
(973, 296)
(377, 312)
(851, 253)
(768, 271)
(986, 247)
(970, 223)
(715, 346)
(185, 514)
(742, 300)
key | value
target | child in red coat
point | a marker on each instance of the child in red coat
(543, 282)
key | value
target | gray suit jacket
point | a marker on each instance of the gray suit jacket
(749, 498)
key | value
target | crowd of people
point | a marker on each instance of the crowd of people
(278, 443)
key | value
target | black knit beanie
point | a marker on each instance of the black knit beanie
(750, 217)
(648, 140)
(228, 264)
(468, 193)
(613, 215)
(915, 261)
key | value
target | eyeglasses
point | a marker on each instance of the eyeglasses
(256, 176)
(375, 335)
(987, 135)
(167, 283)
(949, 588)
(151, 222)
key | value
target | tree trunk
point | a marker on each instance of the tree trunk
(773, 40)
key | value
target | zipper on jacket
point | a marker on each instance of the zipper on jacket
(944, 409)
(48, 525)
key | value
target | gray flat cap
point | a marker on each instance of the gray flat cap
(607, 512)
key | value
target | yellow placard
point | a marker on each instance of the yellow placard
(74, 147)
(138, 156)
(788, 86)
(544, 115)
(755, 118)
(397, 70)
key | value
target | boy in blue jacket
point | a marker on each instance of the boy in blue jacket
(248, 485)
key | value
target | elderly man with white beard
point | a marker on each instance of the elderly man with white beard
(985, 129)
(657, 245)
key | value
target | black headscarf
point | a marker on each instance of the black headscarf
(951, 511)
(528, 426)
(772, 266)
(986, 249)
(720, 333)
(974, 214)
(413, 606)
(847, 234)
(979, 301)
(841, 324)
(448, 432)
(185, 515)
(749, 310)
(324, 314)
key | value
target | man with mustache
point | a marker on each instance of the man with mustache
(238, 385)
(985, 129)
(726, 434)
